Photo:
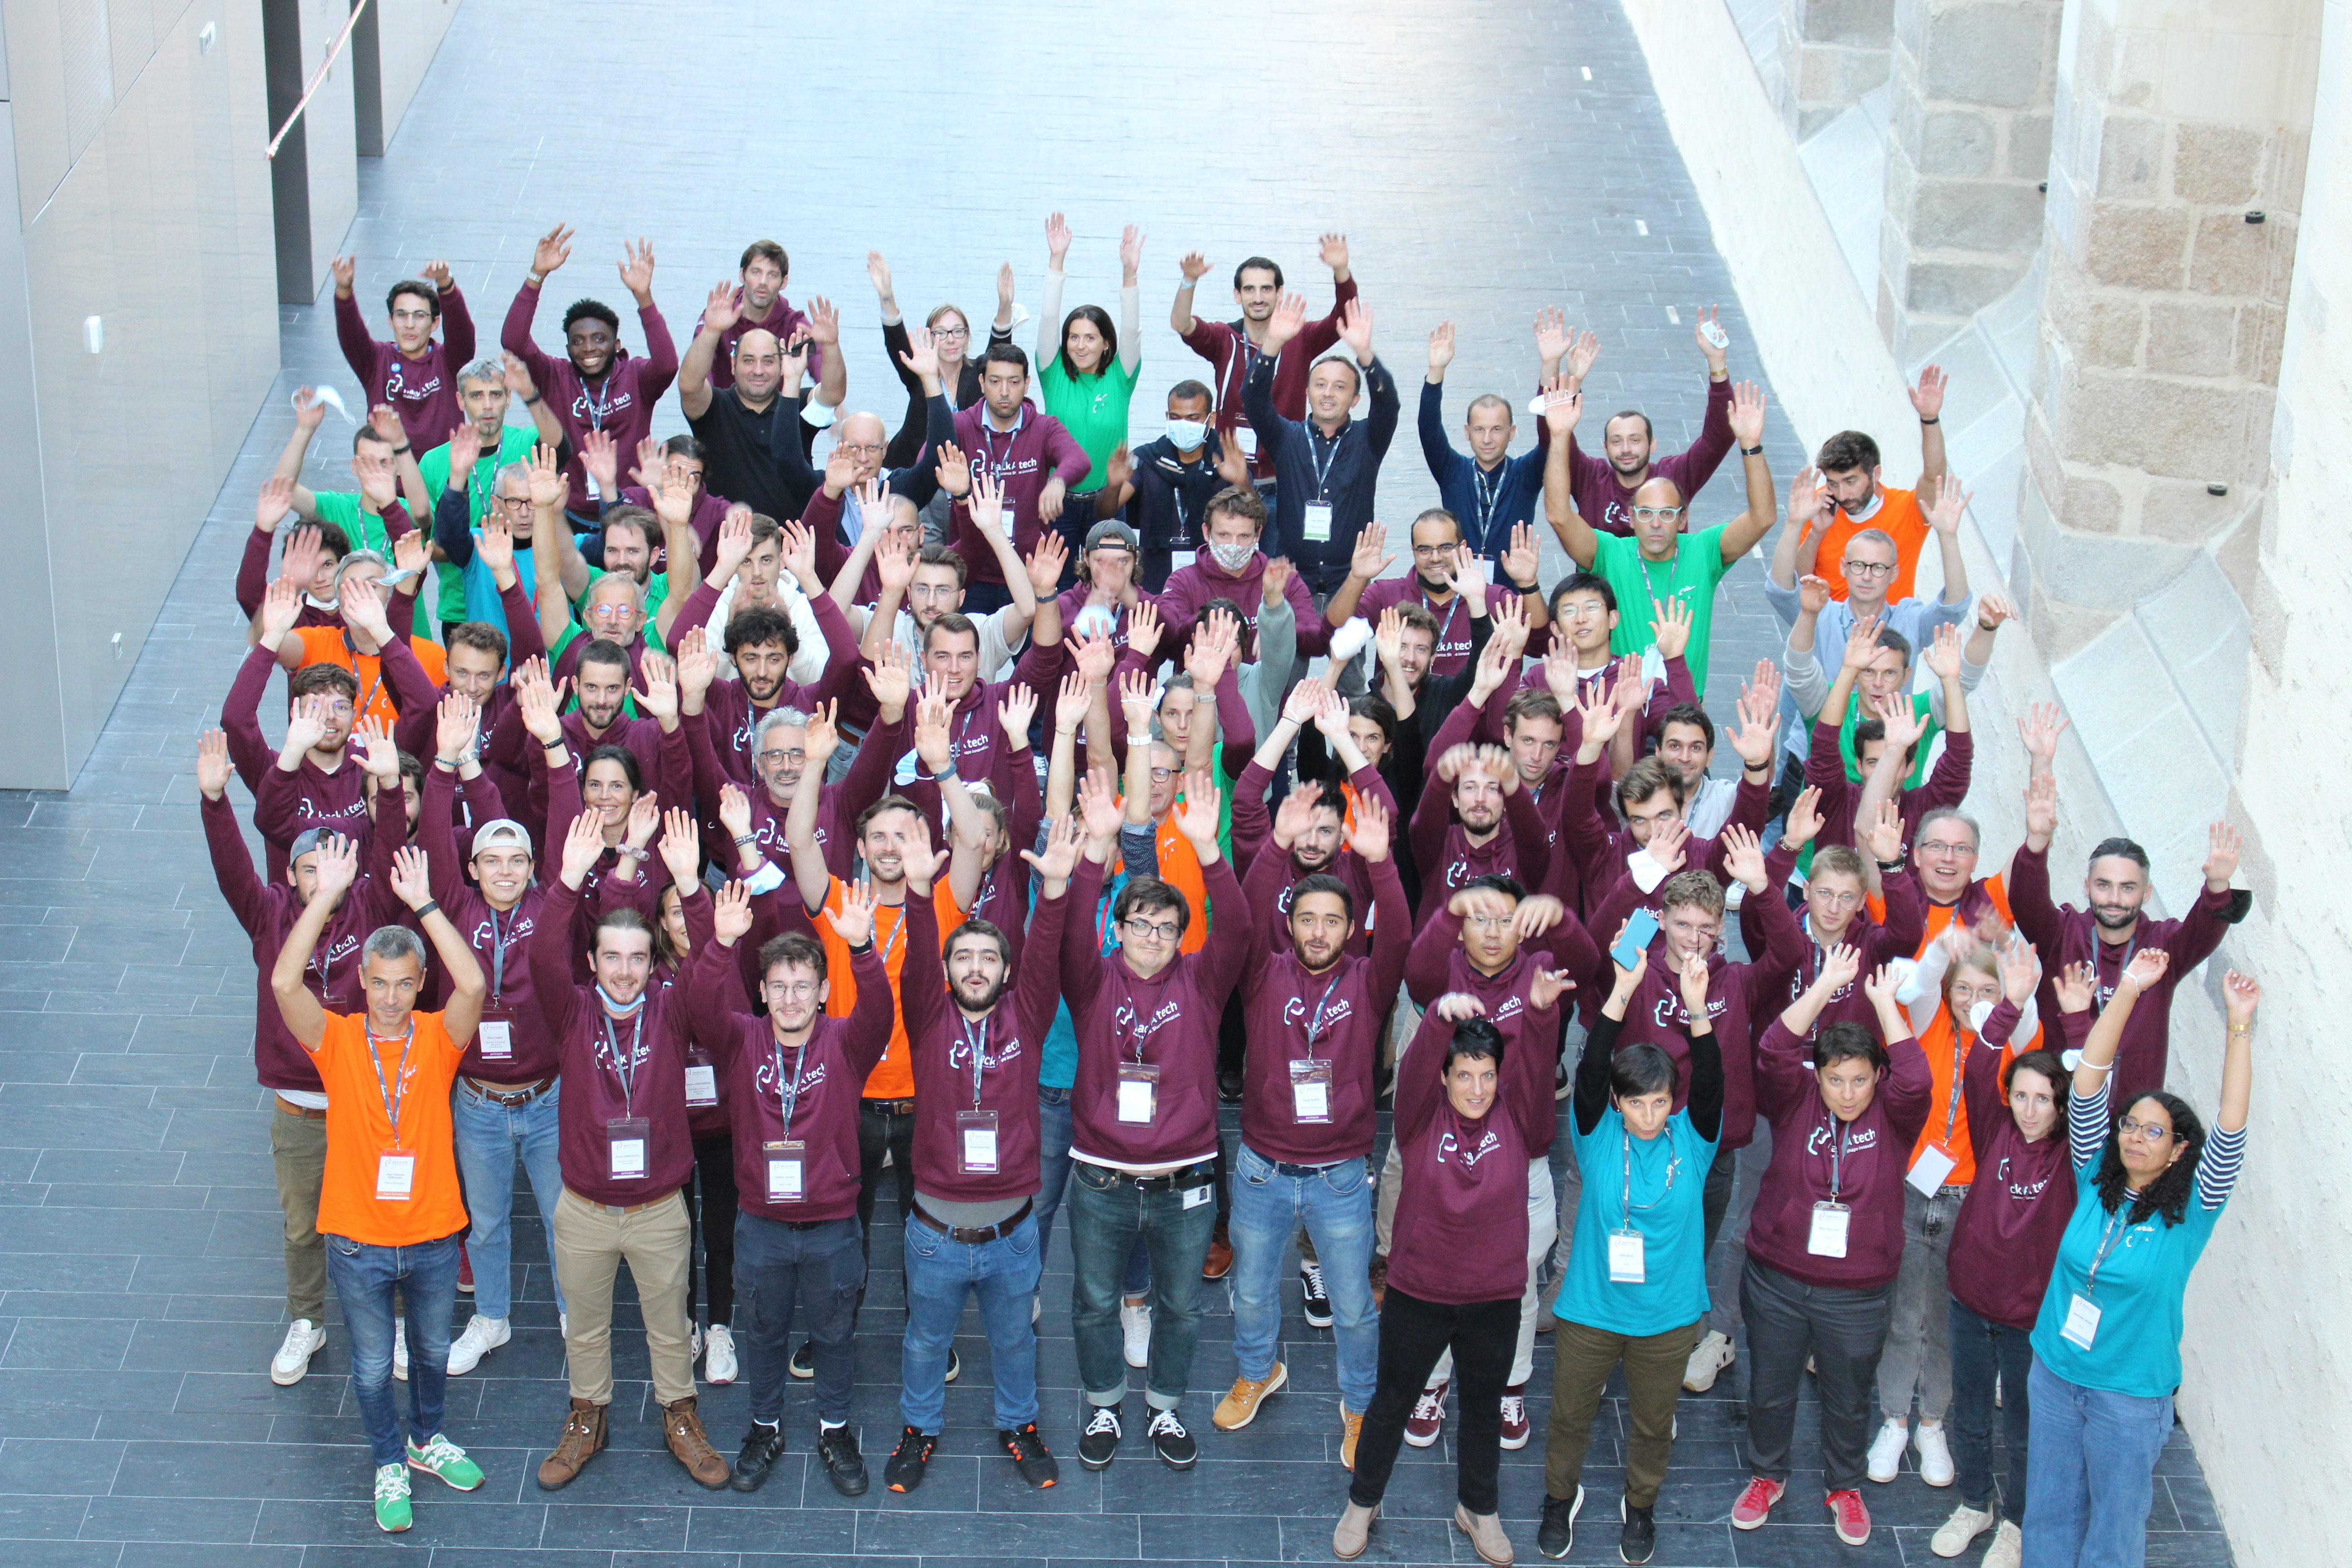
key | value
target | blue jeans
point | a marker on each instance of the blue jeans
(1002, 1274)
(1981, 1350)
(364, 1277)
(2093, 1475)
(1108, 1213)
(1053, 1169)
(820, 1268)
(489, 1138)
(1337, 1206)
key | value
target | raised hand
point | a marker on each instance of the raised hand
(1061, 854)
(730, 914)
(411, 876)
(212, 763)
(1942, 654)
(456, 721)
(878, 272)
(1669, 843)
(854, 921)
(1694, 979)
(934, 744)
(554, 250)
(922, 355)
(269, 509)
(1356, 329)
(1744, 858)
(360, 603)
(1138, 699)
(1099, 805)
(437, 273)
(2147, 967)
(310, 408)
(720, 309)
(734, 540)
(536, 701)
(1717, 358)
(2020, 971)
(1441, 347)
(1862, 643)
(2076, 984)
(1805, 820)
(681, 848)
(2041, 806)
(1143, 629)
(645, 816)
(1044, 563)
(734, 810)
(1521, 562)
(1130, 255)
(1748, 413)
(1371, 556)
(1928, 398)
(1950, 503)
(1057, 239)
(1881, 986)
(824, 732)
(1581, 356)
(1194, 266)
(1015, 711)
(987, 506)
(1093, 655)
(1904, 721)
(952, 470)
(1806, 499)
(1551, 337)
(2221, 860)
(338, 867)
(823, 322)
(1304, 703)
(582, 848)
(659, 698)
(1070, 703)
(1367, 830)
(889, 680)
(1563, 405)
(1197, 817)
(547, 486)
(1839, 965)
(1537, 913)
(1992, 609)
(797, 545)
(344, 268)
(518, 378)
(1884, 837)
(1547, 987)
(1287, 321)
(1296, 815)
(1333, 249)
(697, 665)
(603, 463)
(2240, 994)
(1672, 628)
(636, 270)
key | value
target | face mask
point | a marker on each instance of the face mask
(1094, 618)
(1977, 1016)
(1232, 557)
(1187, 434)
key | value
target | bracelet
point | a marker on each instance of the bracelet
(530, 398)
(742, 838)
(554, 745)
(447, 762)
(1890, 866)
(426, 907)
(624, 853)
(1751, 451)
(944, 774)
(400, 451)
(1939, 419)
(2241, 1028)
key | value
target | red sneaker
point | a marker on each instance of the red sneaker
(1755, 1504)
(1428, 1415)
(1851, 1517)
(465, 1270)
(1515, 1417)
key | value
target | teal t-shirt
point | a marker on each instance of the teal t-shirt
(2142, 1279)
(1668, 1175)
(1640, 585)
(514, 447)
(1092, 408)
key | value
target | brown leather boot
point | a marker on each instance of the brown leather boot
(691, 1444)
(583, 1438)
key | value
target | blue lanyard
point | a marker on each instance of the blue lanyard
(1323, 466)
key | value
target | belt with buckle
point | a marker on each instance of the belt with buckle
(889, 1107)
(976, 1235)
(509, 1098)
(304, 1112)
(1285, 1168)
(1197, 1176)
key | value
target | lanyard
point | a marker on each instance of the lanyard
(499, 939)
(367, 693)
(1837, 1155)
(1446, 629)
(979, 1050)
(1488, 499)
(1315, 1024)
(597, 410)
(1650, 587)
(1323, 465)
(1674, 1165)
(399, 1091)
(2115, 1232)
(788, 1089)
(1238, 368)
(1961, 1043)
(897, 933)
(988, 435)
(613, 1048)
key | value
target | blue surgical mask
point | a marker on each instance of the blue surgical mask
(1187, 434)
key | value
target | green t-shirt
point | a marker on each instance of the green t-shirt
(1092, 408)
(363, 529)
(1639, 585)
(514, 447)
(657, 590)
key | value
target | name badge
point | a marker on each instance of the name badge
(976, 1137)
(1195, 1196)
(1929, 1171)
(625, 1143)
(2081, 1325)
(1318, 525)
(1246, 434)
(395, 1174)
(787, 1171)
(1828, 1238)
(1138, 1094)
(593, 493)
(1311, 1091)
(497, 1039)
(1007, 516)
(701, 1084)
(1625, 1266)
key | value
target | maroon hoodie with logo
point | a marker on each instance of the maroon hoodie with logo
(1867, 1156)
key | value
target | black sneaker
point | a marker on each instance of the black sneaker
(1316, 1304)
(1099, 1444)
(1028, 1450)
(762, 1447)
(1174, 1444)
(843, 1466)
(955, 1365)
(904, 1473)
(1639, 1536)
(804, 1362)
(1558, 1532)
(1229, 1087)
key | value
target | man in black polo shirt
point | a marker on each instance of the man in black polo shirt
(748, 427)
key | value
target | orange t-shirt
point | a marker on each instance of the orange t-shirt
(1940, 916)
(1899, 518)
(893, 1077)
(358, 1132)
(324, 645)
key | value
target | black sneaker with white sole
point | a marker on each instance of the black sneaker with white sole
(904, 1472)
(955, 1365)
(836, 1447)
(762, 1447)
(1639, 1536)
(1098, 1443)
(1558, 1532)
(804, 1362)
(1170, 1441)
(1316, 1304)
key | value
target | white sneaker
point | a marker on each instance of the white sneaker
(292, 1363)
(694, 1342)
(1935, 1454)
(481, 1336)
(1886, 1450)
(718, 1368)
(1135, 1323)
(2008, 1548)
(1036, 1309)
(1952, 1537)
(563, 1325)
(1707, 1359)
(400, 1349)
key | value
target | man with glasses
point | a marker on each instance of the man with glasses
(414, 374)
(1442, 567)
(1605, 487)
(1660, 562)
(468, 478)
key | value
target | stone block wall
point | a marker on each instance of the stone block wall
(1832, 53)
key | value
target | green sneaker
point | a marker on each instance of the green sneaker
(441, 1457)
(392, 1512)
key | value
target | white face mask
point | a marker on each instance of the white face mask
(1232, 557)
(1977, 1016)
(1187, 434)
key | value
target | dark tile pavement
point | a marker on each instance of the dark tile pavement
(1479, 171)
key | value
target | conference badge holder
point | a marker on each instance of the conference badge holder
(1316, 524)
(625, 1143)
(976, 1138)
(1625, 1263)
(1828, 1238)
(701, 1082)
(495, 1035)
(2081, 1325)
(787, 1161)
(395, 1175)
(1138, 1094)
(1929, 1171)
(1311, 1091)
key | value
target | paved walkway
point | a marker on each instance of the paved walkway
(1484, 159)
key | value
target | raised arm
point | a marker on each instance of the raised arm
(1740, 534)
(306, 1018)
(1562, 407)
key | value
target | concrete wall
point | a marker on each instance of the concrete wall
(140, 198)
(315, 178)
(390, 47)
(2195, 669)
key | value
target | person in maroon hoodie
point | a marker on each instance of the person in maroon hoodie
(1837, 912)
(792, 1082)
(2116, 885)
(1316, 1017)
(760, 306)
(1231, 565)
(975, 1041)
(1308, 835)
(297, 1132)
(415, 375)
(1031, 458)
(1144, 1105)
(1475, 819)
(626, 1154)
(1825, 1242)
(2004, 1245)
(1884, 743)
(1604, 486)
(1467, 1119)
(1232, 347)
(598, 385)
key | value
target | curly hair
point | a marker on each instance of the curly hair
(2169, 1193)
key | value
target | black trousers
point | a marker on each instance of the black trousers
(710, 1219)
(1413, 1333)
(880, 1132)
(1843, 1332)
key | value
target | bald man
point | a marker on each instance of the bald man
(751, 431)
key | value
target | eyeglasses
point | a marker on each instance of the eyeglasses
(515, 503)
(1837, 900)
(1161, 930)
(410, 318)
(1869, 569)
(938, 333)
(1656, 513)
(796, 990)
(2145, 1131)
(871, 446)
(1488, 923)
(773, 755)
(1162, 775)
(1940, 846)
(1421, 551)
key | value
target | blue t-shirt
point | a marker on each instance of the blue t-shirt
(1668, 1174)
(2135, 1348)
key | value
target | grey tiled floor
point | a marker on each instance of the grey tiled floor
(1479, 172)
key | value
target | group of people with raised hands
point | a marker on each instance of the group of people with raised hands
(982, 817)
